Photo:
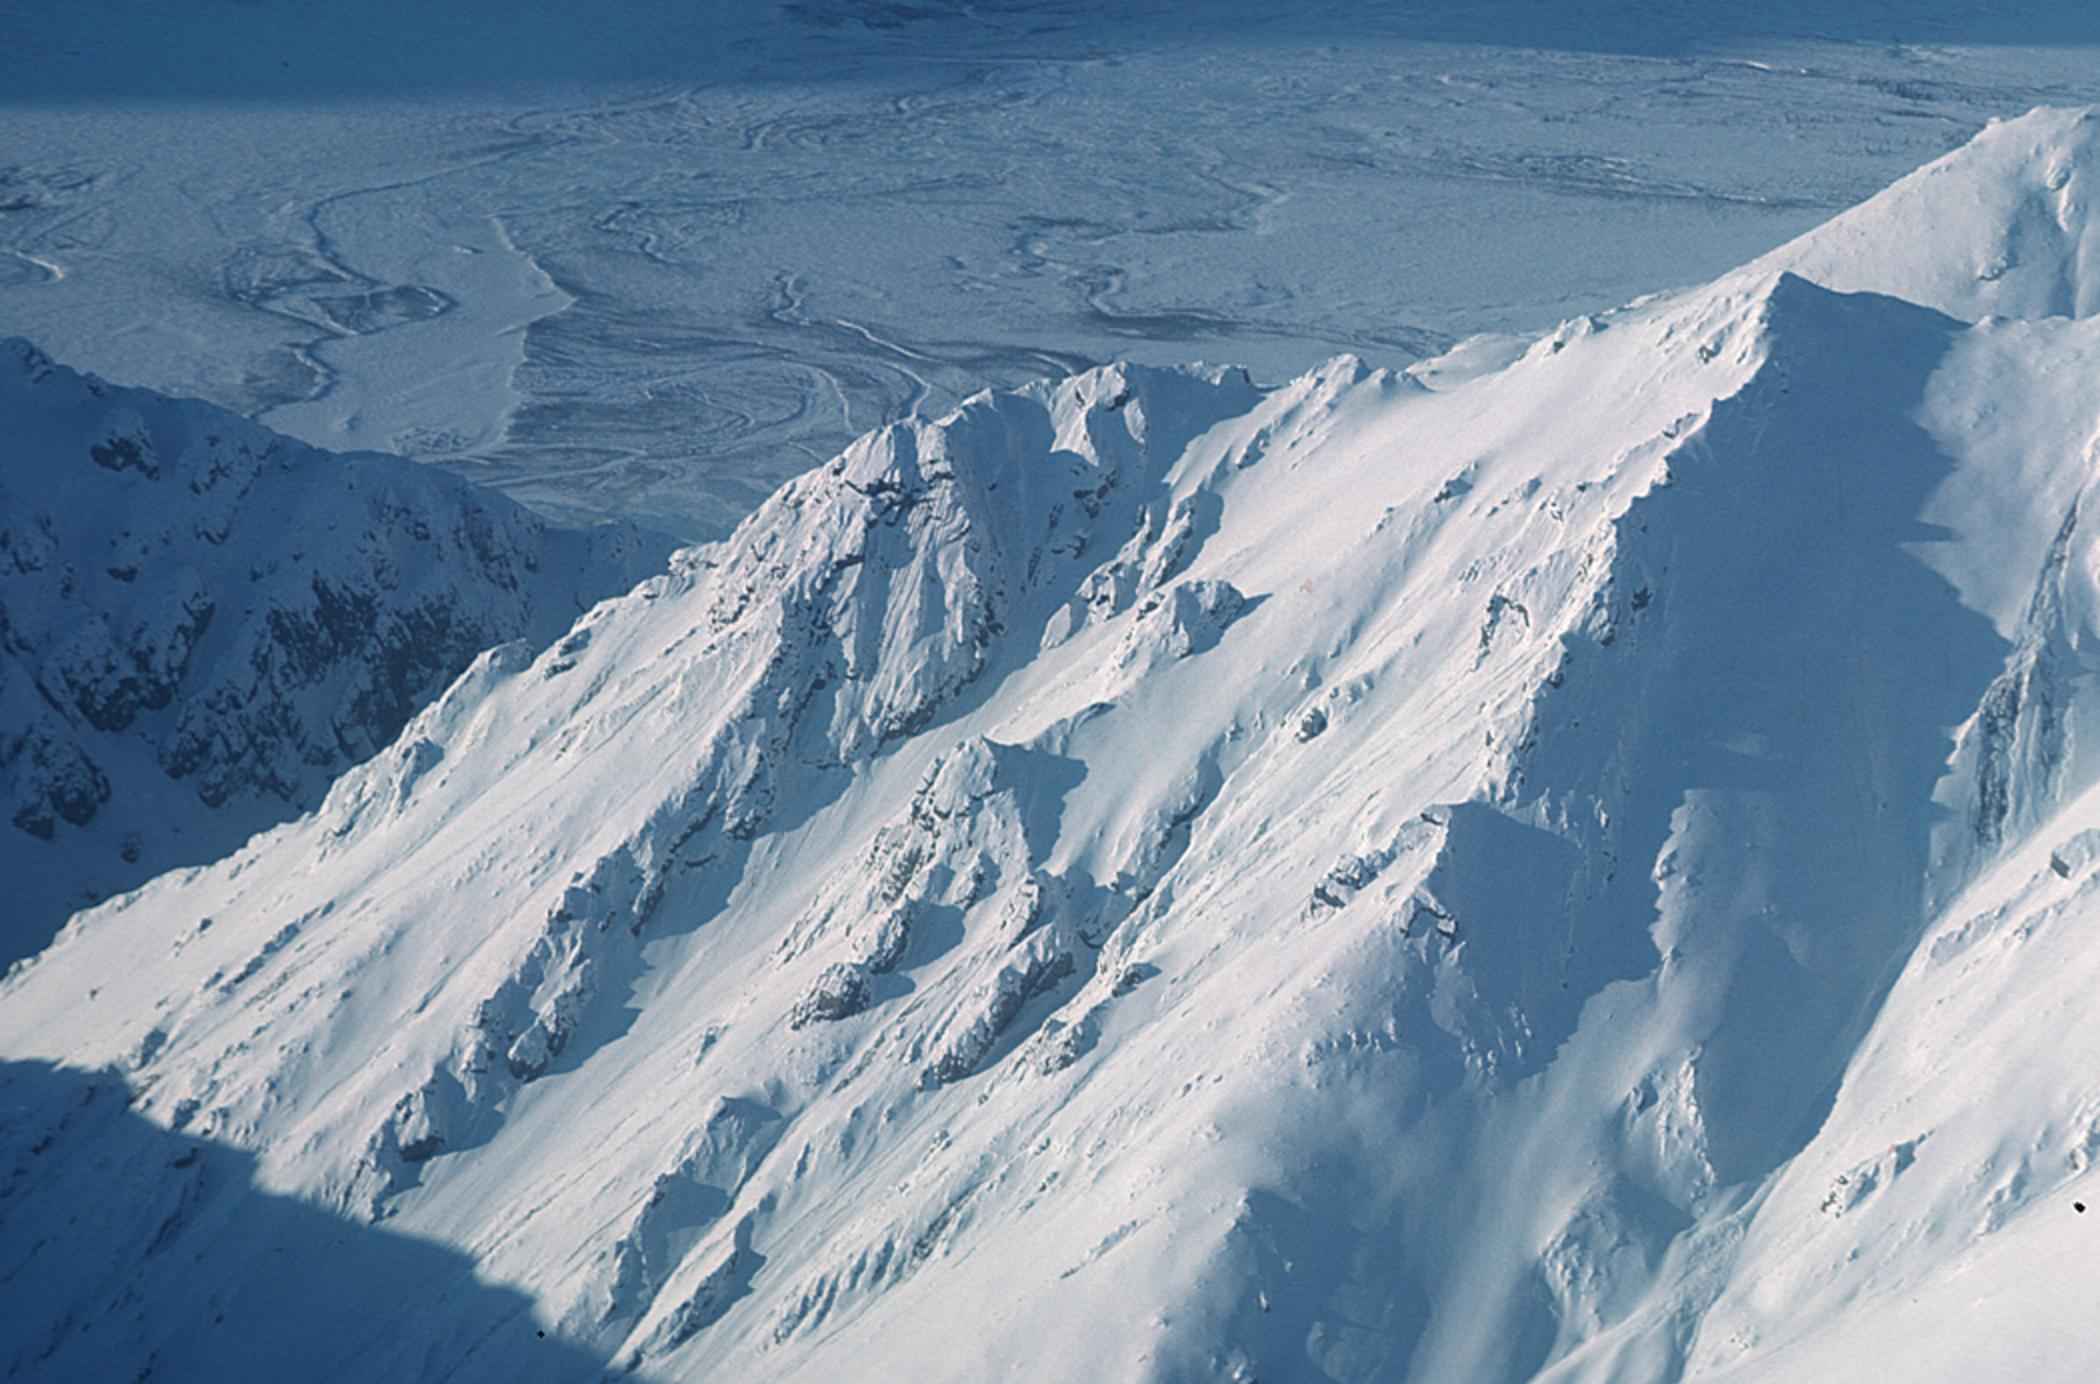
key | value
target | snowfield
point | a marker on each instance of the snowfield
(1565, 863)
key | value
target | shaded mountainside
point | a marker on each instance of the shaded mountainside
(288, 1287)
(202, 624)
(1570, 870)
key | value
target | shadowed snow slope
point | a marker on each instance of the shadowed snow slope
(286, 1289)
(202, 623)
(1575, 872)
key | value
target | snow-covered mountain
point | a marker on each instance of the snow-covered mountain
(203, 623)
(1571, 868)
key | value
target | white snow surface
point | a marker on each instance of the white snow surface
(2002, 227)
(1574, 868)
(203, 622)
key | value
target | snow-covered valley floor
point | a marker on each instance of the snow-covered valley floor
(649, 260)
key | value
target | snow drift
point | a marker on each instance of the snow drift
(1575, 872)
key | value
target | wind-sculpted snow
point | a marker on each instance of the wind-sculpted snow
(202, 623)
(1567, 870)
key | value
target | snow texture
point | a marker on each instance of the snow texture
(650, 260)
(1562, 864)
(203, 623)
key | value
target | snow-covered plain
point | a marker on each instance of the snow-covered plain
(650, 259)
(1574, 868)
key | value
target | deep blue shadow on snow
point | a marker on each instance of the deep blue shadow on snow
(128, 1250)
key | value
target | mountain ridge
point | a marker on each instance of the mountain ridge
(2012, 227)
(202, 622)
(1391, 876)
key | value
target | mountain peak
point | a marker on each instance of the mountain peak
(2011, 222)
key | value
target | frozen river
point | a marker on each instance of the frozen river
(649, 264)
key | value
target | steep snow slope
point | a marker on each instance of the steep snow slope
(1153, 879)
(203, 623)
(2004, 226)
(1942, 1225)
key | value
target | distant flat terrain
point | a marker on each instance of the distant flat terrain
(648, 264)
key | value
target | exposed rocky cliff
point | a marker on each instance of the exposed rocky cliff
(202, 623)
